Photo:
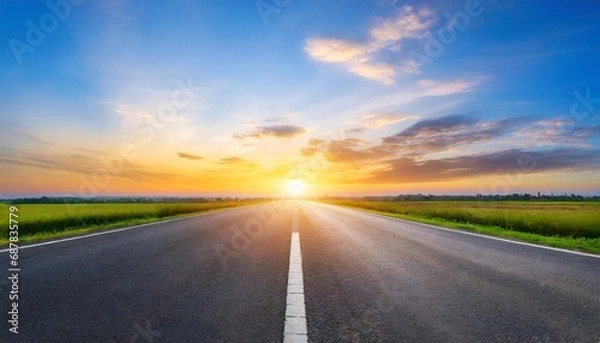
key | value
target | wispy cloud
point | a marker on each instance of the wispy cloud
(277, 131)
(409, 170)
(408, 23)
(438, 88)
(86, 164)
(279, 120)
(236, 163)
(34, 138)
(315, 145)
(355, 151)
(335, 50)
(233, 160)
(364, 59)
(590, 131)
(387, 36)
(433, 135)
(281, 131)
(374, 121)
(242, 136)
(378, 120)
(188, 156)
(354, 130)
(557, 132)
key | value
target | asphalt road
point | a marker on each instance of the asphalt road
(222, 277)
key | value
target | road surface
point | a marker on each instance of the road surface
(223, 277)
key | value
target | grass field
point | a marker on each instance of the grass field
(569, 225)
(47, 221)
(566, 225)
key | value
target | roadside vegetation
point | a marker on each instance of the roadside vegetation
(39, 222)
(568, 225)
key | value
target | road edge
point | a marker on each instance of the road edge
(465, 232)
(126, 228)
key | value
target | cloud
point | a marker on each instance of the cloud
(438, 88)
(408, 23)
(423, 138)
(412, 155)
(334, 50)
(280, 120)
(374, 121)
(314, 146)
(590, 131)
(432, 135)
(346, 150)
(315, 141)
(87, 164)
(277, 131)
(447, 124)
(309, 151)
(363, 59)
(189, 156)
(404, 170)
(238, 162)
(233, 160)
(351, 150)
(354, 130)
(242, 136)
(33, 137)
(557, 131)
(281, 131)
(380, 71)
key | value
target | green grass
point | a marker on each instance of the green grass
(49, 221)
(574, 226)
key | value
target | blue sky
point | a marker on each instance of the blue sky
(353, 97)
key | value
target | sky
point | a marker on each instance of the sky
(260, 98)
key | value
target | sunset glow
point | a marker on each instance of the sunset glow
(296, 187)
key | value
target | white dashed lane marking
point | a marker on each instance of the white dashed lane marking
(294, 330)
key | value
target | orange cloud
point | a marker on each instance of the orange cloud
(189, 156)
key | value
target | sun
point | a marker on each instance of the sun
(296, 187)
